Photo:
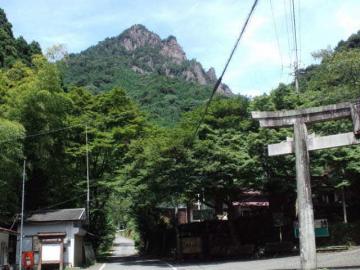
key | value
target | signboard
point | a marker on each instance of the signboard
(51, 253)
(36, 244)
(321, 228)
(191, 245)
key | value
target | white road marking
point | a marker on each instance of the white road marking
(171, 266)
(103, 266)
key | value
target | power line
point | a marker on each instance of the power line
(72, 199)
(42, 133)
(287, 29)
(62, 202)
(276, 35)
(299, 31)
(218, 82)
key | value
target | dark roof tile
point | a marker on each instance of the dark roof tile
(73, 214)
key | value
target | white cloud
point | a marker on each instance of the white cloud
(348, 20)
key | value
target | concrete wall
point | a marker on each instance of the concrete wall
(31, 230)
(4, 242)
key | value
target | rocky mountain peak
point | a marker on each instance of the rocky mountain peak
(172, 49)
(162, 56)
(212, 74)
(139, 36)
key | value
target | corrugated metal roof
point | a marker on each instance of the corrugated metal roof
(73, 214)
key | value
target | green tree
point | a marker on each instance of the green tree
(11, 154)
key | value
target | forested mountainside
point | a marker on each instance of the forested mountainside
(154, 72)
(12, 48)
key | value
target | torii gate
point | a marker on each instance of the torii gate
(300, 146)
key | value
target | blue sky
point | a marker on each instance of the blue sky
(206, 29)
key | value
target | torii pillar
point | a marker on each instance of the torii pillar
(301, 147)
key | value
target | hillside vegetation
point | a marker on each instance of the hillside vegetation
(154, 72)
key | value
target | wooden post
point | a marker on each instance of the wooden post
(61, 263)
(306, 212)
(178, 237)
(355, 115)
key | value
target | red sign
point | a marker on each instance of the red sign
(28, 259)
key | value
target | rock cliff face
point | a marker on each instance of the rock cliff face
(172, 50)
(164, 56)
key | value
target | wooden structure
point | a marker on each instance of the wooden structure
(51, 249)
(300, 145)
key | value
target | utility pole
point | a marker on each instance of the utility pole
(296, 62)
(87, 177)
(344, 204)
(22, 215)
(296, 72)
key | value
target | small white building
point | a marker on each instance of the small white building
(55, 237)
(5, 249)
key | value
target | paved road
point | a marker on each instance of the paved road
(123, 247)
(125, 258)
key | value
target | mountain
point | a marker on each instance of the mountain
(154, 71)
(11, 48)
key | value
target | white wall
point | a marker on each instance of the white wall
(64, 227)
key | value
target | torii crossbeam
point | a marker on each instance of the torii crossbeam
(301, 145)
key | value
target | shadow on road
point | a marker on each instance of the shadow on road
(136, 260)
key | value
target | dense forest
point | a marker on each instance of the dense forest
(137, 159)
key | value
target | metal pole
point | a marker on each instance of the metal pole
(344, 204)
(296, 79)
(87, 177)
(22, 215)
(306, 212)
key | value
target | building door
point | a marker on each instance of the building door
(3, 253)
(78, 251)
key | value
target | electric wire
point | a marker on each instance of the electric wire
(218, 82)
(70, 200)
(61, 203)
(276, 36)
(299, 30)
(42, 133)
(287, 29)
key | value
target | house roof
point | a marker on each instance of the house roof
(4, 230)
(73, 214)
